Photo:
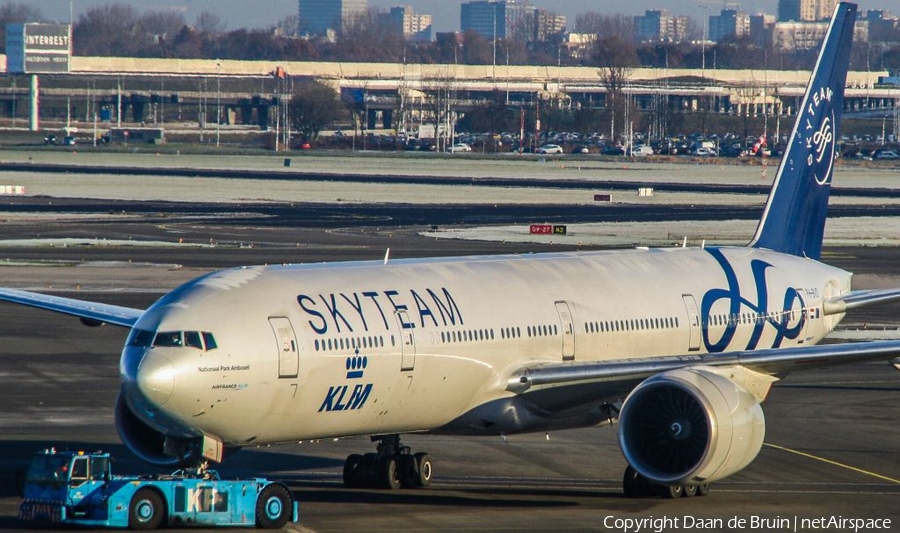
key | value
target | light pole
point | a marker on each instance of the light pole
(218, 98)
(703, 42)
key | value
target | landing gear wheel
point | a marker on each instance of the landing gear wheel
(392, 467)
(145, 512)
(672, 491)
(273, 507)
(389, 473)
(635, 485)
(354, 472)
(409, 474)
(424, 469)
(703, 489)
(689, 491)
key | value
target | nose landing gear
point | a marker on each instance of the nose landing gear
(392, 466)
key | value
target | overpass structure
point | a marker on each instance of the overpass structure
(396, 96)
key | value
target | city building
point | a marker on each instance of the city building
(728, 23)
(323, 17)
(500, 19)
(405, 21)
(805, 10)
(883, 26)
(787, 36)
(658, 25)
(761, 26)
(547, 24)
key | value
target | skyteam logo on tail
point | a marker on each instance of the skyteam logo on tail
(788, 320)
(819, 134)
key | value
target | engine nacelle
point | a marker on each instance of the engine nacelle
(690, 426)
(153, 446)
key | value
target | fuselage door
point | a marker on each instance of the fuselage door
(693, 314)
(567, 325)
(407, 341)
(288, 354)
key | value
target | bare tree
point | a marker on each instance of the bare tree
(439, 102)
(207, 22)
(110, 30)
(616, 55)
(313, 107)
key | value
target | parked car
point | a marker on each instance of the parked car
(705, 152)
(887, 154)
(580, 149)
(550, 149)
(642, 150)
(459, 148)
(613, 150)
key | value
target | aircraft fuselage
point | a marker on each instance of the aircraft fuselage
(303, 351)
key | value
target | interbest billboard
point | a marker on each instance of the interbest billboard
(37, 48)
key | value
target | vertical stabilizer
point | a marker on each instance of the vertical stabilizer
(794, 217)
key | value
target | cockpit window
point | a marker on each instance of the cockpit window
(168, 338)
(209, 340)
(141, 338)
(192, 339)
(201, 340)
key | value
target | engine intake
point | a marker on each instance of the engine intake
(690, 426)
(153, 446)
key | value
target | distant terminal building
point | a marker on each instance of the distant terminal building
(411, 25)
(324, 17)
(658, 25)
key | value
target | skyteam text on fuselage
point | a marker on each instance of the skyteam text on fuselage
(680, 346)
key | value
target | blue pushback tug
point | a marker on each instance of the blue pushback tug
(79, 488)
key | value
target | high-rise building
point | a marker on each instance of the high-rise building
(500, 19)
(405, 21)
(728, 23)
(805, 10)
(319, 17)
(547, 24)
(659, 25)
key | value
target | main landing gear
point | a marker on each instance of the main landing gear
(637, 486)
(392, 466)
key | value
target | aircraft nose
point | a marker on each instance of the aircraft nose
(156, 378)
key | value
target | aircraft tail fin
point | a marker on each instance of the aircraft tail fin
(793, 220)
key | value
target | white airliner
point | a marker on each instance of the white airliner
(679, 346)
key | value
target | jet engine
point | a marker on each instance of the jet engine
(690, 426)
(152, 445)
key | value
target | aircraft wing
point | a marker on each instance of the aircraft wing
(91, 313)
(559, 386)
(857, 299)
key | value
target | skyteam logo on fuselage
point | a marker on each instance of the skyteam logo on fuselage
(343, 397)
(785, 322)
(818, 134)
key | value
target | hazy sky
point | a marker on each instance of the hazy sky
(262, 13)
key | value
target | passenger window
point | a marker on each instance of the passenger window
(209, 340)
(168, 339)
(192, 339)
